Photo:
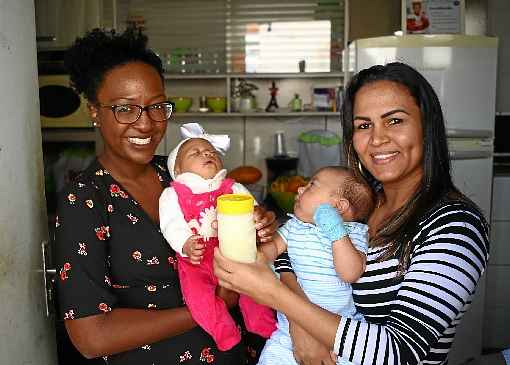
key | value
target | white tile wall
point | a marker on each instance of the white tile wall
(498, 319)
(501, 194)
(497, 308)
(500, 243)
(260, 137)
(333, 125)
(498, 288)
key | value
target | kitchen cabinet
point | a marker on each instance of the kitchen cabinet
(59, 22)
(384, 17)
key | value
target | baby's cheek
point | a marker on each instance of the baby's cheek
(301, 213)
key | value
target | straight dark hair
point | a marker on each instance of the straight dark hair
(436, 185)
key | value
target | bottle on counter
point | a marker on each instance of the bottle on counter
(203, 104)
(236, 227)
(296, 104)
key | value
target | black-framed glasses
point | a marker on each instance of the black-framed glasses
(130, 113)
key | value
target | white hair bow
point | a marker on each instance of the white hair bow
(221, 142)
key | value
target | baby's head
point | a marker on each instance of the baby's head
(197, 155)
(199, 152)
(337, 186)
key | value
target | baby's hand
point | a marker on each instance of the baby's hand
(265, 223)
(194, 249)
(330, 223)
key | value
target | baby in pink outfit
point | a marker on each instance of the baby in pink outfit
(187, 210)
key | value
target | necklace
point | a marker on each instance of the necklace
(380, 201)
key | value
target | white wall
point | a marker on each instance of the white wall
(26, 335)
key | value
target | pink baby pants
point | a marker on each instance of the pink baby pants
(198, 283)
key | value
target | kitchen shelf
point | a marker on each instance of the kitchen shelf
(293, 75)
(259, 114)
(227, 80)
(290, 75)
(172, 76)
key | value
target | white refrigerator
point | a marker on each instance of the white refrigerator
(462, 70)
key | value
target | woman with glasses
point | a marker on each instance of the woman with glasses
(118, 287)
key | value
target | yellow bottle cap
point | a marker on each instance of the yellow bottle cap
(234, 204)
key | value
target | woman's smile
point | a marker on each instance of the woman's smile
(140, 141)
(382, 158)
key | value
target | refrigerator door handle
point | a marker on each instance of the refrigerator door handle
(469, 133)
(48, 279)
(469, 155)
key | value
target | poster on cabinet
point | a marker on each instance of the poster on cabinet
(433, 16)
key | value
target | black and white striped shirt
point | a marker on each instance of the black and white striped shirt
(412, 318)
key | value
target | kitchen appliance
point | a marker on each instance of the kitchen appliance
(280, 164)
(319, 148)
(60, 105)
(462, 70)
(280, 148)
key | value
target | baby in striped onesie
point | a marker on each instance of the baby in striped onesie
(327, 241)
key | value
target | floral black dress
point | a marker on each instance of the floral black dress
(111, 254)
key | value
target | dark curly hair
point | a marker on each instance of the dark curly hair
(91, 57)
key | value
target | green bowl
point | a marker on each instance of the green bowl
(284, 200)
(182, 103)
(218, 104)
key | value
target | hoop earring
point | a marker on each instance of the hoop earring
(360, 168)
(351, 162)
(349, 154)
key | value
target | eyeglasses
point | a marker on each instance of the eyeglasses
(130, 113)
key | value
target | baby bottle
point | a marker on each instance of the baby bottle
(236, 227)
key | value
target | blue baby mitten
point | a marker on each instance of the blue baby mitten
(329, 222)
(506, 355)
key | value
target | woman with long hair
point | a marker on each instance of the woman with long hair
(428, 242)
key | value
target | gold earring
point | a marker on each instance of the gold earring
(360, 168)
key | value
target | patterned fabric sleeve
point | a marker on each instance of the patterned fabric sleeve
(449, 256)
(282, 263)
(81, 236)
